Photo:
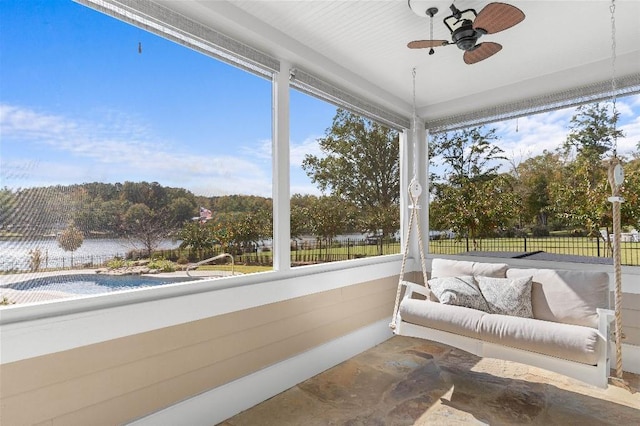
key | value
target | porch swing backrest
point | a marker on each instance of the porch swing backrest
(563, 296)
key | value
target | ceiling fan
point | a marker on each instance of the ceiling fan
(467, 27)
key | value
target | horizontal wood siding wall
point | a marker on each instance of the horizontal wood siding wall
(630, 318)
(122, 379)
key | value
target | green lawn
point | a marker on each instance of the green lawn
(579, 246)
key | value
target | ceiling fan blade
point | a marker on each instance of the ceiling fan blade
(496, 17)
(481, 52)
(421, 44)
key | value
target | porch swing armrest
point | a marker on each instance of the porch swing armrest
(605, 318)
(412, 288)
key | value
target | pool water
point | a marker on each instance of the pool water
(94, 283)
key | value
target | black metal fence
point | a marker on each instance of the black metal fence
(584, 249)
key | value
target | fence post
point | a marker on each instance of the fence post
(598, 245)
(467, 240)
(525, 243)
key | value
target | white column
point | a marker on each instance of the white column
(280, 159)
(426, 186)
(405, 178)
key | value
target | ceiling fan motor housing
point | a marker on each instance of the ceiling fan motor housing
(465, 37)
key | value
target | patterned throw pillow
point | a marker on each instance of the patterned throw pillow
(507, 296)
(459, 291)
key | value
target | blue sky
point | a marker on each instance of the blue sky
(79, 103)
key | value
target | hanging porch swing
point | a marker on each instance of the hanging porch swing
(558, 320)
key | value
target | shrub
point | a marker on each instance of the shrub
(162, 265)
(35, 259)
(5, 302)
(182, 260)
(540, 231)
(117, 262)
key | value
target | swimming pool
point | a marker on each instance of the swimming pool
(93, 283)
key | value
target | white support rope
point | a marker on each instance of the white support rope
(414, 196)
(414, 191)
(616, 200)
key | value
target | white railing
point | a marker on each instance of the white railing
(211, 259)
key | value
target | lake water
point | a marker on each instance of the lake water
(14, 253)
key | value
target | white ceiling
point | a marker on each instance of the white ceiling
(361, 46)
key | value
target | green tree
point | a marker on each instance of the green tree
(360, 164)
(330, 218)
(630, 209)
(197, 236)
(7, 208)
(153, 195)
(534, 178)
(592, 132)
(181, 210)
(70, 239)
(471, 199)
(223, 230)
(581, 195)
(301, 210)
(146, 226)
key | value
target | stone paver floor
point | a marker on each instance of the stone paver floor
(407, 381)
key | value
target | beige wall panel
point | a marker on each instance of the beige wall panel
(632, 335)
(629, 301)
(630, 317)
(128, 377)
(87, 376)
(125, 408)
(49, 369)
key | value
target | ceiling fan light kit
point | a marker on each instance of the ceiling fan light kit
(467, 26)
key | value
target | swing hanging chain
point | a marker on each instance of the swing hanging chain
(614, 83)
(415, 127)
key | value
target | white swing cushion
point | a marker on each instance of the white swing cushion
(571, 297)
(451, 318)
(459, 268)
(565, 341)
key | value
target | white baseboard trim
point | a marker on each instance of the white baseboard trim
(630, 358)
(219, 404)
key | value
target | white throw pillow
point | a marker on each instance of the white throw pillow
(507, 296)
(459, 291)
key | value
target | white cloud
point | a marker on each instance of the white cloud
(548, 131)
(118, 149)
(28, 124)
(299, 150)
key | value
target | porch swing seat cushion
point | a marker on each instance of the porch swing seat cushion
(566, 341)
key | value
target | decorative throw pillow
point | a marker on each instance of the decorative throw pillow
(459, 291)
(507, 296)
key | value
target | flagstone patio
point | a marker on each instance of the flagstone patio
(407, 381)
